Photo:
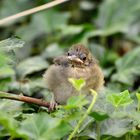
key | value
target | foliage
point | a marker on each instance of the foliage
(121, 99)
(110, 29)
(78, 84)
(127, 67)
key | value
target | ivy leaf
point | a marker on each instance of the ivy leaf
(30, 65)
(52, 50)
(4, 60)
(78, 84)
(128, 67)
(7, 50)
(8, 124)
(7, 55)
(9, 8)
(42, 23)
(72, 30)
(138, 96)
(42, 126)
(99, 116)
(116, 16)
(121, 99)
(116, 127)
(76, 101)
(11, 44)
(5, 68)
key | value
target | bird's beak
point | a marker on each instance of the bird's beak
(74, 58)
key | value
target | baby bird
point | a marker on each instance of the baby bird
(77, 63)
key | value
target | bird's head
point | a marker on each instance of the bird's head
(79, 55)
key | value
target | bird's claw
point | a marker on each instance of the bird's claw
(52, 106)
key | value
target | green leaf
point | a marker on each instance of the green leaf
(11, 44)
(7, 50)
(42, 126)
(4, 83)
(5, 69)
(28, 87)
(121, 99)
(138, 96)
(7, 56)
(72, 30)
(31, 65)
(3, 59)
(53, 50)
(76, 101)
(9, 106)
(99, 116)
(128, 67)
(9, 124)
(133, 33)
(98, 51)
(9, 8)
(116, 127)
(78, 84)
(87, 122)
(43, 22)
(116, 16)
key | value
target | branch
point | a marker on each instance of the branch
(26, 99)
(31, 11)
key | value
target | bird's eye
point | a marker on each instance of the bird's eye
(84, 58)
(68, 54)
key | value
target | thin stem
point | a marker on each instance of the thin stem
(31, 11)
(85, 115)
(98, 130)
(127, 136)
(26, 99)
(138, 106)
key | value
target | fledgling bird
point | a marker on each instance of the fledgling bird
(77, 63)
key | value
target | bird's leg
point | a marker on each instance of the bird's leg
(53, 104)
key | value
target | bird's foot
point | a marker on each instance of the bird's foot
(52, 106)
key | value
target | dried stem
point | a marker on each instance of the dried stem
(26, 99)
(31, 11)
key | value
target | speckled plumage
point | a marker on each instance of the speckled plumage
(56, 77)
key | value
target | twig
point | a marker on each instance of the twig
(31, 11)
(26, 99)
